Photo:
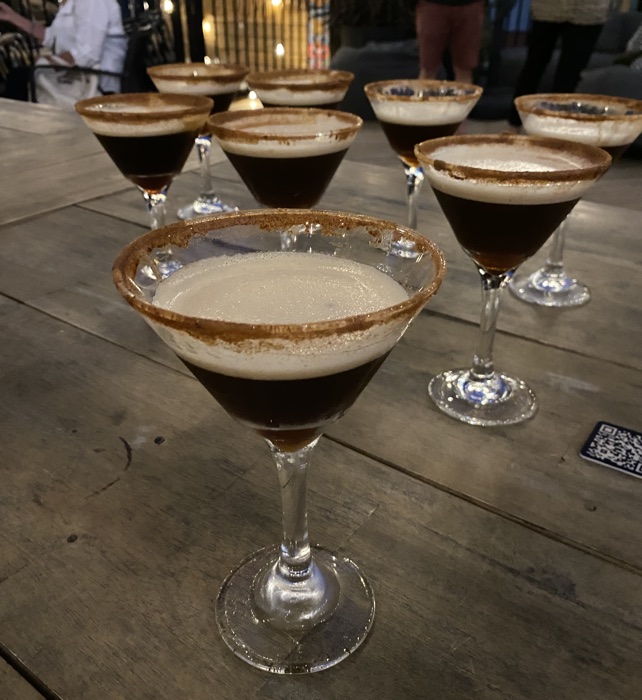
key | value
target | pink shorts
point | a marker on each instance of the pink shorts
(457, 27)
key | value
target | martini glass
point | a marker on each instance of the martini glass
(233, 313)
(286, 156)
(148, 136)
(612, 123)
(221, 82)
(412, 111)
(300, 87)
(503, 197)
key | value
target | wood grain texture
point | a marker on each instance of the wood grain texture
(127, 552)
(505, 568)
(29, 118)
(531, 471)
(13, 686)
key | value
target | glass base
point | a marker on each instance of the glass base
(500, 401)
(549, 289)
(205, 206)
(299, 649)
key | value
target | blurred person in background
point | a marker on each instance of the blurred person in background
(577, 24)
(84, 33)
(449, 24)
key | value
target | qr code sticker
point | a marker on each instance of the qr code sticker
(615, 447)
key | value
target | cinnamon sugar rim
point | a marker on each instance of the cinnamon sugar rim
(333, 80)
(598, 160)
(218, 124)
(179, 234)
(181, 72)
(192, 105)
(533, 105)
(469, 91)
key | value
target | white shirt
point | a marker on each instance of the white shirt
(92, 31)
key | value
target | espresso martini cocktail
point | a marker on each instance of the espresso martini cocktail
(503, 197)
(148, 136)
(220, 82)
(324, 89)
(612, 123)
(286, 157)
(412, 111)
(285, 342)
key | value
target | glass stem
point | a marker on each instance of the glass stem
(295, 554)
(554, 259)
(203, 148)
(492, 285)
(156, 207)
(295, 591)
(414, 180)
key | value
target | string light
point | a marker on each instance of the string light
(207, 60)
(207, 26)
(168, 7)
(277, 3)
(279, 50)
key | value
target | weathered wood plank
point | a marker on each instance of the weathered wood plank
(30, 118)
(531, 471)
(469, 604)
(610, 327)
(15, 687)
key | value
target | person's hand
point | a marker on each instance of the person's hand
(8, 14)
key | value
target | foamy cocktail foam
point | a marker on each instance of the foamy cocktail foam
(194, 79)
(429, 112)
(300, 88)
(508, 160)
(603, 132)
(271, 134)
(281, 288)
(290, 98)
(152, 115)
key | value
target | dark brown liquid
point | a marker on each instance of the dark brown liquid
(327, 105)
(499, 237)
(151, 162)
(222, 101)
(290, 413)
(298, 183)
(615, 151)
(404, 137)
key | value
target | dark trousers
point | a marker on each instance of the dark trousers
(578, 42)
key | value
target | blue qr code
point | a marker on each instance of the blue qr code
(617, 447)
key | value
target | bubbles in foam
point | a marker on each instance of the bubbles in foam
(278, 288)
(283, 288)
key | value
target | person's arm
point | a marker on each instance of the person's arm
(35, 29)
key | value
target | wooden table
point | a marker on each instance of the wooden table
(504, 565)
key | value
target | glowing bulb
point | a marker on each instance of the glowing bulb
(168, 6)
(277, 3)
(207, 60)
(251, 95)
(279, 50)
(207, 26)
